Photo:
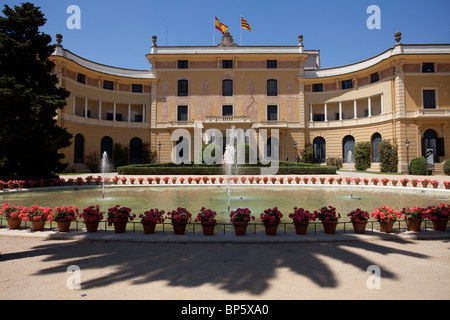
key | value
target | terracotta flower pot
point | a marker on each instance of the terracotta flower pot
(301, 227)
(179, 228)
(414, 224)
(64, 225)
(149, 227)
(91, 226)
(38, 225)
(120, 226)
(330, 226)
(271, 228)
(208, 227)
(386, 226)
(14, 224)
(440, 224)
(240, 227)
(359, 226)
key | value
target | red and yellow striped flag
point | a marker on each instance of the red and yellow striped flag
(245, 24)
(220, 26)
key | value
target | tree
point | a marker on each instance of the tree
(29, 98)
(388, 156)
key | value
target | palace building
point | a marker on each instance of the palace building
(401, 95)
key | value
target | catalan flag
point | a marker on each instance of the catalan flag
(220, 26)
(245, 24)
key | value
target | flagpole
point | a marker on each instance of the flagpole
(240, 23)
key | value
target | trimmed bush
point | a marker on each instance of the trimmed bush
(307, 153)
(362, 156)
(185, 169)
(418, 166)
(447, 166)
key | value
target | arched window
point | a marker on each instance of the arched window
(135, 150)
(348, 149)
(79, 149)
(319, 150)
(106, 145)
(376, 139)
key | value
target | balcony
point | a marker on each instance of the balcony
(227, 119)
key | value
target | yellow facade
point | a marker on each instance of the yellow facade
(401, 94)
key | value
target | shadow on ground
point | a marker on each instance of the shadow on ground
(233, 267)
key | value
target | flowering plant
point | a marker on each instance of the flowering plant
(117, 213)
(166, 180)
(35, 213)
(331, 180)
(180, 215)
(206, 215)
(11, 212)
(357, 180)
(374, 180)
(386, 214)
(358, 215)
(435, 183)
(271, 216)
(301, 214)
(152, 216)
(241, 215)
(92, 214)
(437, 212)
(63, 213)
(404, 181)
(327, 214)
(414, 213)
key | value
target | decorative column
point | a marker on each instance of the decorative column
(99, 109)
(310, 113)
(129, 112)
(382, 103)
(355, 111)
(114, 112)
(325, 111)
(86, 107)
(340, 110)
(143, 113)
(73, 104)
(369, 106)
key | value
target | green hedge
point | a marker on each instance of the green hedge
(447, 166)
(418, 166)
(173, 169)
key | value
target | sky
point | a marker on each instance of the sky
(119, 33)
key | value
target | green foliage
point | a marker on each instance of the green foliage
(447, 166)
(92, 162)
(362, 156)
(418, 166)
(192, 169)
(30, 138)
(148, 155)
(307, 153)
(121, 155)
(335, 162)
(388, 156)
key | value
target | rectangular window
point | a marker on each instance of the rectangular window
(227, 111)
(428, 67)
(272, 64)
(136, 88)
(429, 99)
(183, 88)
(347, 84)
(227, 64)
(183, 64)
(227, 88)
(108, 85)
(374, 77)
(182, 113)
(272, 113)
(81, 78)
(272, 88)
(317, 87)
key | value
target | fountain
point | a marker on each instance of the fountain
(229, 160)
(351, 161)
(104, 168)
